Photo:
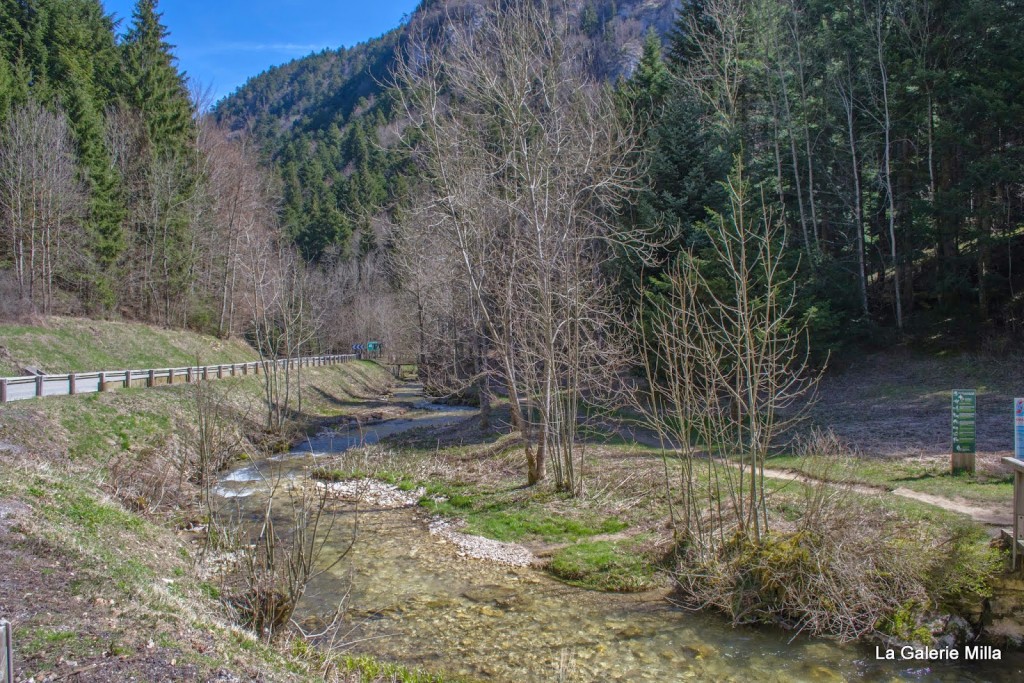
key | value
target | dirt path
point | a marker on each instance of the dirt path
(994, 517)
(989, 516)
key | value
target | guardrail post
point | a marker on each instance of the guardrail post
(72, 389)
(220, 372)
(6, 652)
(40, 380)
(3, 390)
(188, 375)
(102, 386)
(152, 377)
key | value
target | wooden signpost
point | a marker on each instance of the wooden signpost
(1018, 428)
(965, 431)
(1017, 539)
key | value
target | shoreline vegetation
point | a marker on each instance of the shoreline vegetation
(706, 270)
(74, 495)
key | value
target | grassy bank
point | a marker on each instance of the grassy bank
(57, 345)
(99, 578)
(926, 476)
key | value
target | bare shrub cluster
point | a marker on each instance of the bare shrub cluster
(840, 574)
(281, 557)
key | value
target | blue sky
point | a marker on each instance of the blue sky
(221, 43)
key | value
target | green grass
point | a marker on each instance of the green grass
(42, 641)
(502, 516)
(370, 669)
(99, 428)
(931, 478)
(605, 565)
(93, 516)
(79, 345)
(503, 519)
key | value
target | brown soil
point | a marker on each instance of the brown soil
(897, 404)
(46, 594)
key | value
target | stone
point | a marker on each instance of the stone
(699, 651)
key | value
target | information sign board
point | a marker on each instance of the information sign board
(965, 419)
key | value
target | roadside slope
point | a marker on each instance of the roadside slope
(99, 579)
(57, 345)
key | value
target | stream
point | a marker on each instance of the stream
(412, 599)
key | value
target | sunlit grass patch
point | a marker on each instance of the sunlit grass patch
(605, 565)
(933, 478)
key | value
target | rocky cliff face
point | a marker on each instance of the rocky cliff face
(326, 88)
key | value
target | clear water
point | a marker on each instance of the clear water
(413, 600)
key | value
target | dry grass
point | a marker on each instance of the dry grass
(98, 582)
(897, 403)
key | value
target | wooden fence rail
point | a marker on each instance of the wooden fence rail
(40, 386)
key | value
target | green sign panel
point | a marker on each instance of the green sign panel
(965, 420)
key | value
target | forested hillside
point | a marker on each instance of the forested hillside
(884, 136)
(331, 126)
(117, 199)
(89, 122)
(588, 219)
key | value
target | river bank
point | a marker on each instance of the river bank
(97, 566)
(418, 598)
(103, 585)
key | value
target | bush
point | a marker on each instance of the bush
(843, 572)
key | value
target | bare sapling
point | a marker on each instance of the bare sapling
(289, 549)
(216, 439)
(727, 370)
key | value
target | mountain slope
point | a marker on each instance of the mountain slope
(325, 121)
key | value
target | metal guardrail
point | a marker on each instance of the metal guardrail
(6, 653)
(40, 386)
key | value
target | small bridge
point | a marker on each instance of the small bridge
(397, 367)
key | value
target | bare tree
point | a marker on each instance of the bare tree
(880, 18)
(285, 321)
(526, 163)
(41, 200)
(240, 199)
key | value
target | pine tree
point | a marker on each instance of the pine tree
(153, 84)
(77, 44)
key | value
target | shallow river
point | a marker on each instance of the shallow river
(413, 600)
